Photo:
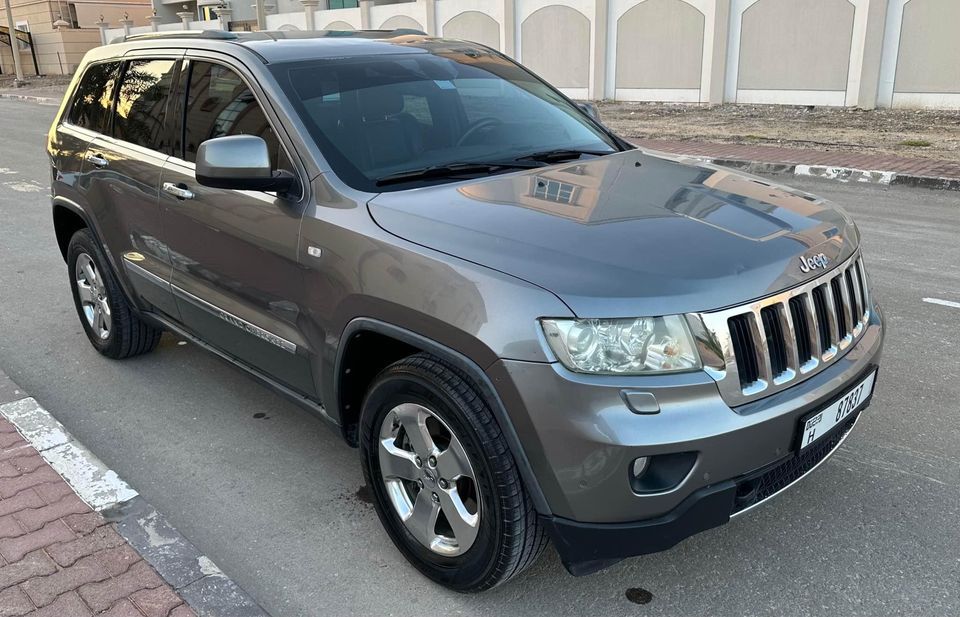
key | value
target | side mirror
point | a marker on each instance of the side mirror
(239, 162)
(590, 109)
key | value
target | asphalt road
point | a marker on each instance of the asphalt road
(277, 501)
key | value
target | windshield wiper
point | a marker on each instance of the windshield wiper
(560, 155)
(452, 170)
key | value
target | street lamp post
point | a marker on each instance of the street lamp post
(14, 46)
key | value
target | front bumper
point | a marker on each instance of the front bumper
(581, 439)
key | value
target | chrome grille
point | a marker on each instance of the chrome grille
(768, 345)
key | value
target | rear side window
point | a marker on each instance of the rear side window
(219, 103)
(142, 101)
(93, 98)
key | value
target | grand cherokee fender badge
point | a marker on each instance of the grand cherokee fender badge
(814, 262)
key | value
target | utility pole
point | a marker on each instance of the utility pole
(14, 45)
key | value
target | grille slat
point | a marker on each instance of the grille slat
(862, 286)
(776, 343)
(743, 349)
(854, 300)
(823, 318)
(839, 307)
(798, 310)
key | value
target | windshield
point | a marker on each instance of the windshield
(377, 118)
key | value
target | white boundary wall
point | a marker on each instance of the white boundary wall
(815, 52)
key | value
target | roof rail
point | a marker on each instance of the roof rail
(220, 35)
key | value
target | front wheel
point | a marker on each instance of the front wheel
(445, 485)
(110, 322)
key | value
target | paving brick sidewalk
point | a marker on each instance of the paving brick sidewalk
(796, 156)
(59, 558)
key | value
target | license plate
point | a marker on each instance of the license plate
(819, 424)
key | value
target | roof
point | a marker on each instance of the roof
(277, 46)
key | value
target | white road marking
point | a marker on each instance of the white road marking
(24, 187)
(949, 303)
(97, 485)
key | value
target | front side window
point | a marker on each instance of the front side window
(219, 103)
(94, 97)
(377, 117)
(142, 102)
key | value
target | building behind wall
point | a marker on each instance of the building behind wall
(63, 31)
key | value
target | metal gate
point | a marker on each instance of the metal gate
(22, 37)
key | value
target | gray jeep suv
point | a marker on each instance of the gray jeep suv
(529, 328)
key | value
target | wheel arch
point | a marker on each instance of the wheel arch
(68, 219)
(350, 383)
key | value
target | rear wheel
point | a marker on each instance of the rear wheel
(446, 487)
(107, 317)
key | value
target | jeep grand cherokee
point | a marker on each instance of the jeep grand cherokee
(530, 329)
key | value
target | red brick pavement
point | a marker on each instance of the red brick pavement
(59, 558)
(798, 156)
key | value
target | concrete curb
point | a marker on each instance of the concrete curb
(839, 174)
(42, 100)
(208, 591)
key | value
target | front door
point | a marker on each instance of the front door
(236, 277)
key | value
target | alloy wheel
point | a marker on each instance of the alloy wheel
(93, 296)
(429, 479)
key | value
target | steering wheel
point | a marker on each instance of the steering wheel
(480, 125)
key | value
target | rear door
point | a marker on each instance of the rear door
(121, 177)
(236, 276)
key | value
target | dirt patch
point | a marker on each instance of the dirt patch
(931, 134)
(6, 81)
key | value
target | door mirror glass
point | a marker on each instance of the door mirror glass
(239, 162)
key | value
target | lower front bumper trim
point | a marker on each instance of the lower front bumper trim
(586, 548)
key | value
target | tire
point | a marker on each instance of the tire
(508, 537)
(126, 335)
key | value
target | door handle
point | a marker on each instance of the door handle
(97, 160)
(180, 191)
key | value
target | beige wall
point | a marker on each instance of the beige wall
(929, 59)
(38, 13)
(796, 52)
(60, 51)
(474, 26)
(401, 21)
(792, 45)
(57, 52)
(556, 46)
(660, 45)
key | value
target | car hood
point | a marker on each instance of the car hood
(628, 234)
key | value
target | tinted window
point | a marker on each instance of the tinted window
(375, 116)
(219, 103)
(142, 101)
(91, 103)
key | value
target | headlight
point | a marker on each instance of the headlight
(622, 346)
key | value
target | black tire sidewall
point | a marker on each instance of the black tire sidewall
(464, 572)
(83, 242)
